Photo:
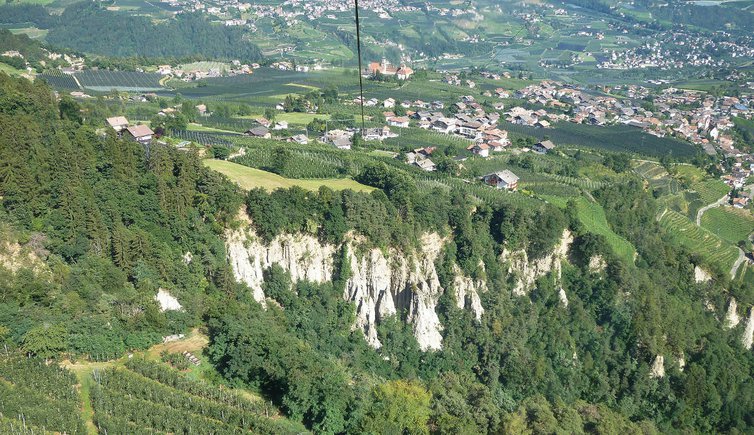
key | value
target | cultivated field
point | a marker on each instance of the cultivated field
(105, 81)
(250, 178)
(728, 223)
(715, 251)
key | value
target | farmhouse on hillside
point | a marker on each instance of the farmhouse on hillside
(118, 123)
(260, 131)
(543, 147)
(502, 180)
(140, 133)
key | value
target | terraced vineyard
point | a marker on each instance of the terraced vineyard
(710, 190)
(728, 223)
(658, 177)
(712, 249)
(146, 397)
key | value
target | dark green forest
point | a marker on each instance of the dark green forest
(122, 35)
(110, 222)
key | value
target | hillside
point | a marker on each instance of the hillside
(419, 303)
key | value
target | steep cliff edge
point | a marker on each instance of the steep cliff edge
(382, 283)
(527, 271)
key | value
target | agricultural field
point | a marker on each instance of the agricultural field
(716, 252)
(618, 138)
(38, 396)
(31, 32)
(658, 177)
(204, 66)
(127, 81)
(710, 190)
(210, 138)
(728, 223)
(143, 396)
(593, 217)
(59, 80)
(250, 178)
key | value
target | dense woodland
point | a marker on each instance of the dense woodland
(109, 222)
(122, 35)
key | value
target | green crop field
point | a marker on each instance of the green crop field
(728, 223)
(711, 248)
(250, 178)
(710, 190)
(105, 81)
(619, 138)
(143, 397)
(593, 217)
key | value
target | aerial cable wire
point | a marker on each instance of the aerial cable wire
(358, 51)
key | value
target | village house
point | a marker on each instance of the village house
(300, 139)
(118, 123)
(398, 121)
(480, 149)
(426, 165)
(502, 180)
(341, 139)
(377, 133)
(260, 131)
(543, 147)
(140, 133)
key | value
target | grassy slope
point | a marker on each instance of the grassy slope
(249, 178)
(593, 217)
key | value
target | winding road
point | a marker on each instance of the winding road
(717, 203)
(741, 254)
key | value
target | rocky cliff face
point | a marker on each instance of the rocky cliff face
(526, 271)
(382, 283)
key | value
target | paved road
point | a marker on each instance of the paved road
(701, 211)
(737, 264)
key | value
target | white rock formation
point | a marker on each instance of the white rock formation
(527, 271)
(381, 284)
(167, 301)
(701, 275)
(597, 264)
(301, 255)
(748, 337)
(466, 287)
(731, 316)
(563, 297)
(658, 367)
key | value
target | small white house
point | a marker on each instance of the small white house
(502, 180)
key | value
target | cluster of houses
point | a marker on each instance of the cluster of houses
(385, 68)
(674, 49)
(196, 73)
(140, 133)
